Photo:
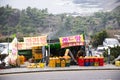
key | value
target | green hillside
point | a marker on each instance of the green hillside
(36, 22)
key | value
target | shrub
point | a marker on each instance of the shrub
(114, 53)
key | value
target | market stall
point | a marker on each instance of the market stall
(67, 47)
(32, 51)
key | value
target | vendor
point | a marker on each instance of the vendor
(80, 53)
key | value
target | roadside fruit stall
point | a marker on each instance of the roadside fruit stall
(57, 57)
(31, 49)
(64, 54)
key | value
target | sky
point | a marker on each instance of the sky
(64, 6)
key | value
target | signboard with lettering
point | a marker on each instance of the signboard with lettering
(21, 45)
(13, 52)
(35, 41)
(71, 41)
(29, 42)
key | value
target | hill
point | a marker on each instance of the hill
(35, 22)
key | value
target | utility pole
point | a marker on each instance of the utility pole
(108, 55)
(49, 38)
(8, 42)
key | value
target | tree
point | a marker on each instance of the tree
(99, 37)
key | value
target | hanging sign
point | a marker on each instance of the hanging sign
(21, 45)
(71, 41)
(29, 42)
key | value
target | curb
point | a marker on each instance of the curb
(33, 70)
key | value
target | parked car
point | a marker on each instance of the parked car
(100, 50)
(110, 42)
(2, 47)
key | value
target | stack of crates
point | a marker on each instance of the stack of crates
(37, 53)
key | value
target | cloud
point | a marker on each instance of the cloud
(103, 4)
(64, 6)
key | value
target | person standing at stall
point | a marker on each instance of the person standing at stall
(90, 50)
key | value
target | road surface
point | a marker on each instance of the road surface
(66, 75)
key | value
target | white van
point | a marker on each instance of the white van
(111, 42)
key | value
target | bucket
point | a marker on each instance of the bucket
(58, 65)
(63, 63)
(117, 63)
(91, 62)
(67, 62)
(81, 61)
(96, 63)
(51, 62)
(57, 62)
(101, 61)
(87, 62)
(22, 59)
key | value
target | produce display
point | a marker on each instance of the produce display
(21, 59)
(36, 65)
(59, 61)
(37, 53)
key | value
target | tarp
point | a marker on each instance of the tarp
(54, 45)
(76, 40)
(12, 49)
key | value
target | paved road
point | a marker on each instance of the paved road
(66, 75)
